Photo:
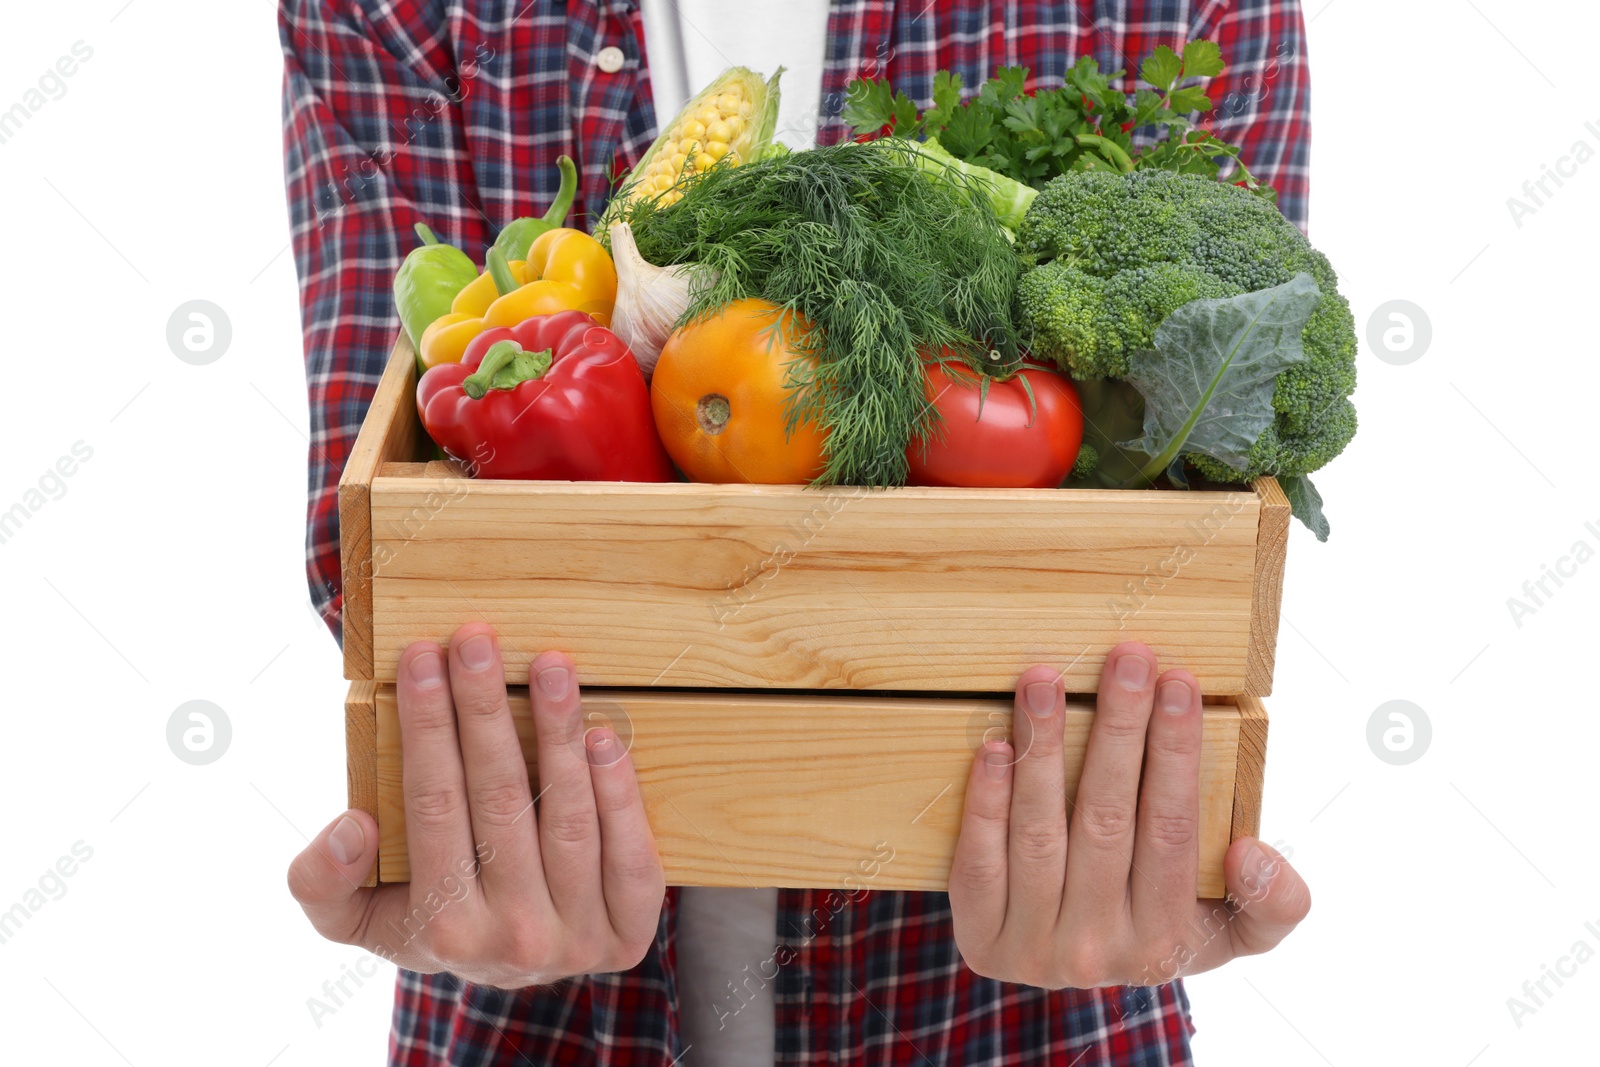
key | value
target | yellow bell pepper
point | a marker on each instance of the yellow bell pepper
(566, 270)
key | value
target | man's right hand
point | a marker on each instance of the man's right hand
(499, 895)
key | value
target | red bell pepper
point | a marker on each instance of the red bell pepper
(555, 397)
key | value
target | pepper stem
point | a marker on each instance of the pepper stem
(505, 366)
(500, 269)
(426, 234)
(557, 215)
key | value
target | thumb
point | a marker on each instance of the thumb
(1271, 896)
(326, 878)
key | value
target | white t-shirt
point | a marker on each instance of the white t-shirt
(726, 938)
(690, 42)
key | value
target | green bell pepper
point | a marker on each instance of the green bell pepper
(518, 236)
(428, 281)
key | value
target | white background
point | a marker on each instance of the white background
(171, 569)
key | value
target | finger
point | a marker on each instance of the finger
(569, 827)
(498, 797)
(978, 876)
(1104, 808)
(438, 827)
(1036, 856)
(1269, 899)
(1271, 896)
(1166, 849)
(326, 879)
(630, 867)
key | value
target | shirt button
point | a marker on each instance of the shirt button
(609, 59)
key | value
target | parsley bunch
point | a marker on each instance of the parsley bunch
(1084, 125)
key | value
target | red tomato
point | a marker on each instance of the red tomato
(1012, 443)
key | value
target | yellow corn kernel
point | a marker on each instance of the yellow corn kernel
(728, 103)
(692, 129)
(719, 131)
(716, 149)
(669, 147)
(704, 162)
(678, 161)
(708, 115)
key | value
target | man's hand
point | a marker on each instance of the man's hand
(499, 895)
(1110, 899)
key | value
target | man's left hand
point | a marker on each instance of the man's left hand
(1106, 897)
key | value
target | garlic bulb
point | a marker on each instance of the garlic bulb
(649, 298)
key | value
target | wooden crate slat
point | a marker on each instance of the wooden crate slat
(1250, 774)
(390, 432)
(1272, 550)
(361, 751)
(796, 588)
(777, 790)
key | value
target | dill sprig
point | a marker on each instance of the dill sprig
(889, 264)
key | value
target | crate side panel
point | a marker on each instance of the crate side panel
(780, 587)
(389, 432)
(1251, 774)
(361, 752)
(1272, 551)
(822, 792)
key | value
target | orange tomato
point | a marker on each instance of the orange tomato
(718, 395)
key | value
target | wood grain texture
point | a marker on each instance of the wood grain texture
(389, 432)
(772, 790)
(1272, 551)
(361, 752)
(433, 468)
(1250, 774)
(787, 587)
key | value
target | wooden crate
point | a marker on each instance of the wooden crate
(849, 607)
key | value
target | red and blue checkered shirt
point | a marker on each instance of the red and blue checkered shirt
(452, 112)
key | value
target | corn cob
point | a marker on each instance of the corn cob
(733, 118)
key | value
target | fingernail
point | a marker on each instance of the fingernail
(997, 760)
(477, 652)
(1040, 698)
(346, 842)
(1133, 671)
(427, 670)
(599, 746)
(1176, 697)
(555, 681)
(1256, 871)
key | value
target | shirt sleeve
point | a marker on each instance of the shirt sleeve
(373, 143)
(1262, 101)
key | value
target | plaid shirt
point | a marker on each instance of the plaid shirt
(452, 112)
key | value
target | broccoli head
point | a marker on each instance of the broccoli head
(1116, 254)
